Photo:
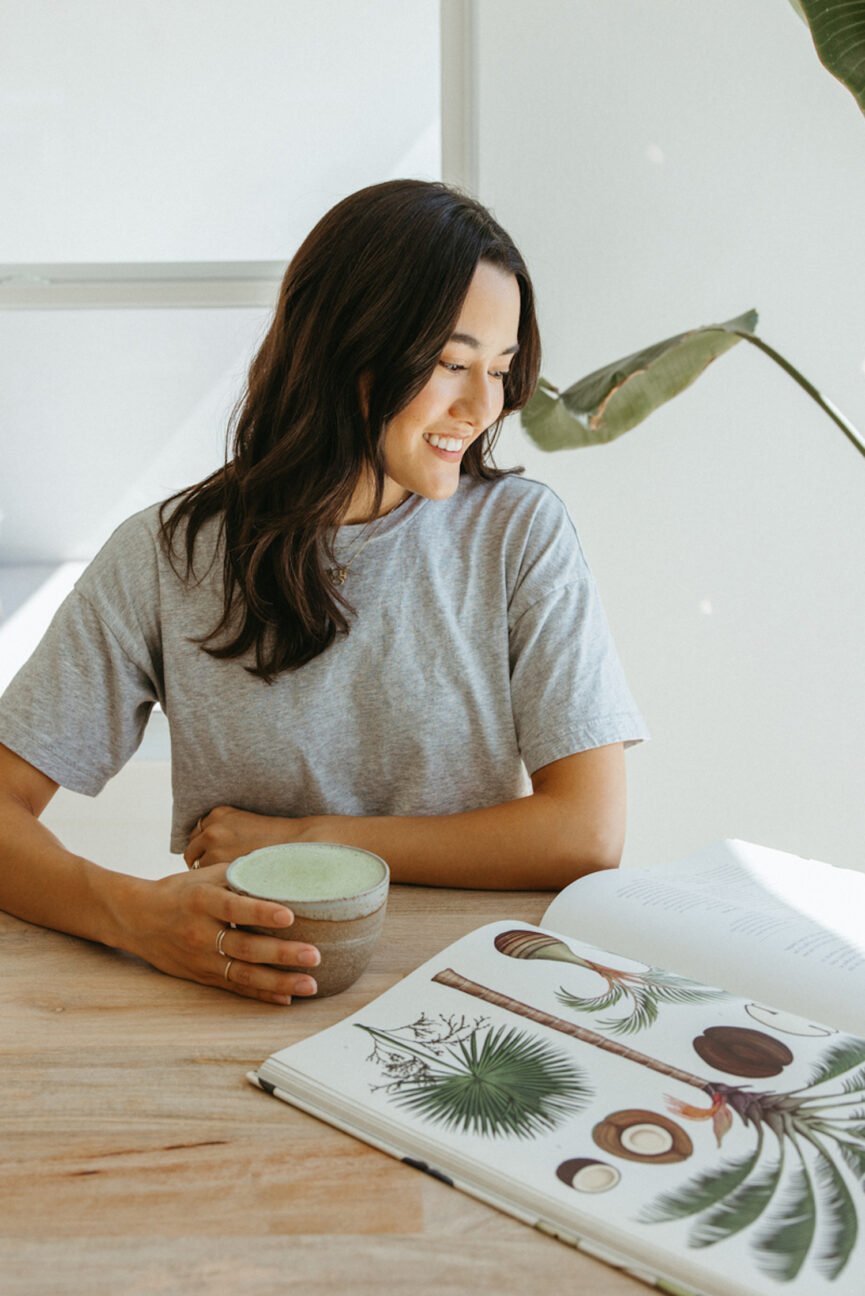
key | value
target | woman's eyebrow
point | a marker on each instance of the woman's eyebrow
(473, 342)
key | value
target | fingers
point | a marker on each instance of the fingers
(194, 852)
(249, 947)
(243, 911)
(257, 981)
(208, 845)
(252, 963)
(210, 897)
(199, 851)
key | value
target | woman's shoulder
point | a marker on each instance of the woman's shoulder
(526, 526)
(136, 556)
(512, 488)
(513, 504)
(146, 533)
(130, 544)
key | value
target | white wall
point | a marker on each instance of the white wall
(163, 132)
(205, 130)
(663, 166)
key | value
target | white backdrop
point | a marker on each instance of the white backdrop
(665, 165)
(207, 130)
(163, 132)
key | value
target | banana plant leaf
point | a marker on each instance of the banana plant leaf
(838, 31)
(612, 400)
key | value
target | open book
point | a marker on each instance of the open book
(590, 1076)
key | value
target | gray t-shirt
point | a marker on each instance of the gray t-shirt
(479, 653)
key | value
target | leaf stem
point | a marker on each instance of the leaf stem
(825, 404)
(415, 1050)
(448, 977)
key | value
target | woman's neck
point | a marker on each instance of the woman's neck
(360, 508)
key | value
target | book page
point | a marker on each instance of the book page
(785, 931)
(624, 1110)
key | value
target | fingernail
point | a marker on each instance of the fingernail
(309, 957)
(282, 918)
(305, 985)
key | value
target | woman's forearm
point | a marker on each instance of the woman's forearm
(182, 924)
(532, 843)
(572, 823)
(43, 882)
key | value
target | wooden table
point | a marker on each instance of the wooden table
(136, 1158)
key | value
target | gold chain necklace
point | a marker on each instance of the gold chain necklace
(339, 573)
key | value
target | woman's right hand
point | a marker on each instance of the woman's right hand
(178, 920)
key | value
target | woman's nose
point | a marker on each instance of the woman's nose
(480, 402)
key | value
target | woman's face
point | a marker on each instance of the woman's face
(424, 443)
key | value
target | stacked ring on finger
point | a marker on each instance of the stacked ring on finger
(227, 968)
(221, 935)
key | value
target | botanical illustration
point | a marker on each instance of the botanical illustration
(792, 1181)
(468, 1077)
(636, 1134)
(588, 1174)
(641, 993)
(786, 1023)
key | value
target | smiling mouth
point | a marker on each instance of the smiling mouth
(451, 448)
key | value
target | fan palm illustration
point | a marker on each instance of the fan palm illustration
(798, 1181)
(644, 992)
(470, 1078)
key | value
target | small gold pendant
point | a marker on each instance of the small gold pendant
(337, 574)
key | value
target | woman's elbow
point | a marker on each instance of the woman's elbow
(580, 856)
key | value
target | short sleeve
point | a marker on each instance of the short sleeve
(78, 708)
(568, 688)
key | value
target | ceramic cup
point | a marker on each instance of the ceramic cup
(337, 894)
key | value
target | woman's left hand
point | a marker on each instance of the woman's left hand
(225, 833)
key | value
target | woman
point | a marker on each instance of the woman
(359, 629)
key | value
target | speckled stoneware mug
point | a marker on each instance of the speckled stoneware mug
(338, 895)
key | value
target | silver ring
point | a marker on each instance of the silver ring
(227, 968)
(196, 863)
(223, 932)
(198, 826)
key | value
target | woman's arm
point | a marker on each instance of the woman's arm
(173, 923)
(573, 823)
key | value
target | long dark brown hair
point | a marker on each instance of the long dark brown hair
(375, 289)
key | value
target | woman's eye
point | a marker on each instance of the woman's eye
(459, 368)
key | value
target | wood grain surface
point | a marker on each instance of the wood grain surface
(136, 1158)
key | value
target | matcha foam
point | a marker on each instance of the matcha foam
(313, 871)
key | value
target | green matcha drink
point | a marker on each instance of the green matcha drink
(307, 871)
(338, 895)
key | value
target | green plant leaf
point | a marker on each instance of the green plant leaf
(841, 1057)
(645, 994)
(704, 1190)
(739, 1209)
(596, 1003)
(855, 1158)
(855, 1082)
(612, 400)
(841, 1225)
(512, 1085)
(787, 1237)
(838, 31)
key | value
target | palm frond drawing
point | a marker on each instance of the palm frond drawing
(794, 1185)
(642, 993)
(468, 1077)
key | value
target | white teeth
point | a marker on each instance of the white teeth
(443, 443)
